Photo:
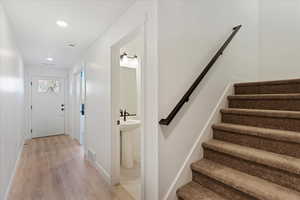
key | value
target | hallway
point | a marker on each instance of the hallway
(149, 100)
(53, 168)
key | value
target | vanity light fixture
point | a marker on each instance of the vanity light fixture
(125, 55)
(128, 61)
(124, 58)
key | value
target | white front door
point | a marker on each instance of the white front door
(48, 106)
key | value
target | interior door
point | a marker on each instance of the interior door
(79, 108)
(115, 117)
(82, 106)
(48, 106)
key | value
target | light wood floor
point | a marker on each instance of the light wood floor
(53, 168)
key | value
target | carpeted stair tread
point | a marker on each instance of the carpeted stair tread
(279, 161)
(275, 82)
(274, 134)
(254, 153)
(290, 96)
(263, 113)
(195, 191)
(248, 184)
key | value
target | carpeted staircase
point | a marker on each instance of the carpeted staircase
(255, 150)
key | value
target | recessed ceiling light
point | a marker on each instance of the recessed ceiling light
(49, 59)
(62, 23)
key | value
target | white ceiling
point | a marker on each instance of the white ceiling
(34, 23)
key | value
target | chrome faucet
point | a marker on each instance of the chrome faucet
(125, 114)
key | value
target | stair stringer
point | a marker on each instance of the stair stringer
(184, 174)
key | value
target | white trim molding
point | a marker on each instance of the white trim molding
(106, 176)
(103, 173)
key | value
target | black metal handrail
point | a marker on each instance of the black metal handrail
(187, 95)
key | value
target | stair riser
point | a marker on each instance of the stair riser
(264, 122)
(274, 175)
(268, 89)
(272, 104)
(220, 188)
(281, 147)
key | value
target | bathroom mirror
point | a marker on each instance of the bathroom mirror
(128, 90)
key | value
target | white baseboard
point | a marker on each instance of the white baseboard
(15, 169)
(103, 173)
(184, 175)
(106, 176)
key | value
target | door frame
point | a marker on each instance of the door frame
(30, 102)
(115, 107)
(72, 75)
(74, 108)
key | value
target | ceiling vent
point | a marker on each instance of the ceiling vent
(72, 45)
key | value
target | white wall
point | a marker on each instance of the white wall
(97, 61)
(189, 34)
(11, 103)
(33, 71)
(280, 41)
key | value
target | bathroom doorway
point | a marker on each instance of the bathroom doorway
(127, 114)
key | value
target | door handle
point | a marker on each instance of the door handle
(82, 109)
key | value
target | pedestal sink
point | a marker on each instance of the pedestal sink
(129, 124)
(127, 129)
